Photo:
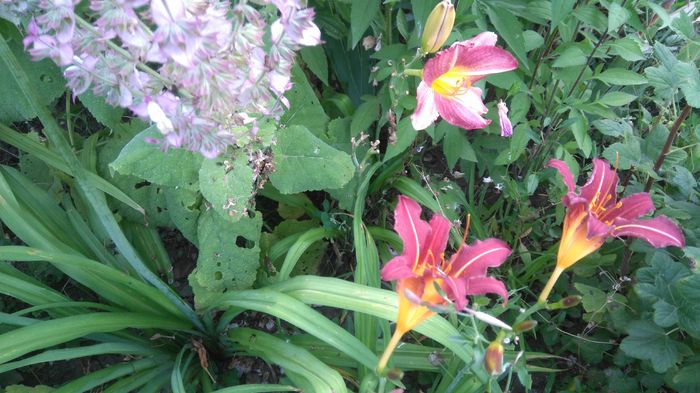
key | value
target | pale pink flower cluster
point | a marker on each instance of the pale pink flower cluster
(198, 69)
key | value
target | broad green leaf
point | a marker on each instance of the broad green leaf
(405, 135)
(617, 98)
(315, 59)
(533, 40)
(175, 167)
(109, 116)
(688, 73)
(362, 12)
(508, 27)
(665, 314)
(628, 48)
(571, 56)
(228, 256)
(647, 341)
(621, 77)
(580, 130)
(303, 162)
(183, 209)
(688, 297)
(560, 11)
(592, 16)
(617, 16)
(613, 128)
(304, 107)
(18, 342)
(44, 75)
(304, 369)
(365, 114)
(456, 145)
(227, 183)
(656, 281)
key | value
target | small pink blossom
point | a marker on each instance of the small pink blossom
(506, 126)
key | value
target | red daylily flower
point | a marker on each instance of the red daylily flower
(446, 89)
(594, 214)
(421, 269)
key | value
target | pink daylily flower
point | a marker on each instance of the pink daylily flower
(446, 89)
(594, 214)
(422, 266)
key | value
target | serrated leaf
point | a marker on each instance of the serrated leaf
(315, 59)
(647, 341)
(304, 107)
(227, 183)
(109, 116)
(361, 14)
(303, 162)
(665, 314)
(617, 98)
(175, 167)
(688, 299)
(228, 256)
(655, 281)
(690, 76)
(621, 76)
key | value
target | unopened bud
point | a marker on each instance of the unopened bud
(524, 326)
(493, 360)
(394, 374)
(438, 26)
(567, 302)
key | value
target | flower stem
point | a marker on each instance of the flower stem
(395, 339)
(669, 142)
(550, 284)
(413, 72)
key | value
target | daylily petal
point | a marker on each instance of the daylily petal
(484, 285)
(426, 111)
(506, 125)
(633, 206)
(463, 110)
(457, 291)
(659, 231)
(443, 61)
(602, 184)
(565, 173)
(486, 38)
(440, 233)
(412, 230)
(481, 61)
(596, 227)
(397, 268)
(475, 259)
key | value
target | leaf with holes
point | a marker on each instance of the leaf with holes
(228, 255)
(227, 183)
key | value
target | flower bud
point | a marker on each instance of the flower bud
(524, 326)
(493, 359)
(567, 302)
(438, 26)
(394, 374)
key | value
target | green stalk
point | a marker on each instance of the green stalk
(93, 197)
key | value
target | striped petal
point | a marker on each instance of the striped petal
(397, 268)
(463, 110)
(602, 184)
(565, 173)
(481, 61)
(472, 261)
(631, 207)
(426, 111)
(412, 230)
(659, 231)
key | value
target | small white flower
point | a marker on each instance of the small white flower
(488, 180)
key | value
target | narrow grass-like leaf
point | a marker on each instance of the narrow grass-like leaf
(333, 292)
(177, 384)
(108, 374)
(301, 316)
(56, 355)
(302, 243)
(309, 373)
(108, 282)
(253, 388)
(26, 144)
(45, 334)
(137, 380)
